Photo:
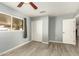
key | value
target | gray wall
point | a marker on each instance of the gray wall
(58, 29)
(10, 39)
(55, 27)
(28, 28)
(45, 26)
(59, 25)
(51, 29)
(77, 25)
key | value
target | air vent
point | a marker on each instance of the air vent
(42, 11)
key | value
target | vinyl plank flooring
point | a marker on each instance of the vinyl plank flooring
(40, 49)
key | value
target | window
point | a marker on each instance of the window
(17, 24)
(6, 23)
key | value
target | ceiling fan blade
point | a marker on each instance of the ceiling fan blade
(20, 4)
(33, 5)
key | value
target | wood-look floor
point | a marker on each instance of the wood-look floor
(41, 49)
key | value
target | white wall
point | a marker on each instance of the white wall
(9, 39)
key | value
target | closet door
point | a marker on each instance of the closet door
(69, 31)
(37, 30)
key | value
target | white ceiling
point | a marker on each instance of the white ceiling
(51, 8)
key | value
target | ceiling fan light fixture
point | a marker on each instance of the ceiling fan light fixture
(20, 4)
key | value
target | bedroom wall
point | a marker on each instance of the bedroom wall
(45, 29)
(52, 29)
(55, 27)
(77, 25)
(10, 39)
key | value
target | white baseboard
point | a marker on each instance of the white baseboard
(45, 42)
(60, 42)
(40, 41)
(14, 48)
(56, 41)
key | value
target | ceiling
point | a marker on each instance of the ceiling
(46, 8)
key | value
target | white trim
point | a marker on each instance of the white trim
(11, 16)
(56, 41)
(13, 31)
(45, 42)
(40, 41)
(60, 42)
(11, 22)
(14, 48)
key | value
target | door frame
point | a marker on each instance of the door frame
(32, 33)
(75, 32)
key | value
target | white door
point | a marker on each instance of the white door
(37, 30)
(69, 31)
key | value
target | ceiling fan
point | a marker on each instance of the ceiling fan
(31, 4)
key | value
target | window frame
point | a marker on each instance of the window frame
(11, 17)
